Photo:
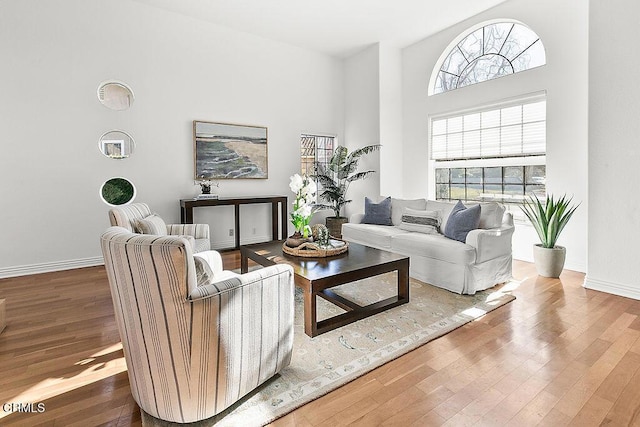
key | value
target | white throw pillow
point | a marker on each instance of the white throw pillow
(398, 206)
(427, 222)
(491, 215)
(151, 224)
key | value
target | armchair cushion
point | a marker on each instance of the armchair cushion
(151, 224)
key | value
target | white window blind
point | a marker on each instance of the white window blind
(510, 131)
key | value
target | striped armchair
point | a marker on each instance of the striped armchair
(126, 216)
(193, 350)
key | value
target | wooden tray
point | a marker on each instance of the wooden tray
(312, 250)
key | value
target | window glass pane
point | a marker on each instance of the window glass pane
(531, 58)
(474, 176)
(511, 115)
(514, 190)
(534, 112)
(535, 174)
(534, 138)
(520, 38)
(471, 143)
(471, 121)
(454, 124)
(511, 140)
(457, 192)
(493, 176)
(513, 175)
(490, 119)
(442, 176)
(457, 175)
(474, 192)
(536, 190)
(485, 68)
(454, 146)
(471, 46)
(442, 191)
(492, 189)
(495, 36)
(490, 142)
(439, 127)
(454, 62)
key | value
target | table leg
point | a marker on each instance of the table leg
(310, 319)
(237, 224)
(403, 281)
(244, 262)
(274, 220)
(284, 232)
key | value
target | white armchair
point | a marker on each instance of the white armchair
(192, 349)
(126, 216)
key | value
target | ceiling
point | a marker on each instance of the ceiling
(335, 27)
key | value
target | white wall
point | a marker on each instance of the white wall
(362, 120)
(54, 55)
(564, 79)
(614, 150)
(391, 121)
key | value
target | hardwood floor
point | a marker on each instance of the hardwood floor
(557, 355)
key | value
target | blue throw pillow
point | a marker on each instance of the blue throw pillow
(377, 213)
(461, 221)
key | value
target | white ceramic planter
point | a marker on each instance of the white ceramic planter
(549, 261)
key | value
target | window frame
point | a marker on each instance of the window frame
(505, 161)
(455, 43)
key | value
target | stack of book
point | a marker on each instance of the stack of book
(206, 196)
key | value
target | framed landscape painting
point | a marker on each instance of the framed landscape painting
(229, 151)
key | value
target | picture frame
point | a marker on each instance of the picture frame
(229, 151)
(113, 148)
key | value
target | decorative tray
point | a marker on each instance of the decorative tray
(313, 250)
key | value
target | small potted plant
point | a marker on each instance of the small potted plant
(335, 178)
(549, 219)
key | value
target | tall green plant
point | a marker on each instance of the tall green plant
(550, 218)
(338, 174)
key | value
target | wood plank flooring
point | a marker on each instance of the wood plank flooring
(558, 355)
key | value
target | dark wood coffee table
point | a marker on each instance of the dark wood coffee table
(315, 276)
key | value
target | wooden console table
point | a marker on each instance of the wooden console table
(187, 205)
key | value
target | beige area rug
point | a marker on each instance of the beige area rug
(328, 361)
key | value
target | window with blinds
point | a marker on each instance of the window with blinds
(495, 153)
(516, 130)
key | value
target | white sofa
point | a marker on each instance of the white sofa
(483, 261)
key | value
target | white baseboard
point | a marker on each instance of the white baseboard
(620, 289)
(47, 267)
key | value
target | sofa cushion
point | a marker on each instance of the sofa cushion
(461, 221)
(420, 221)
(434, 246)
(491, 214)
(151, 224)
(377, 213)
(377, 236)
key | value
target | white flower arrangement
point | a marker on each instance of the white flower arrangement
(305, 189)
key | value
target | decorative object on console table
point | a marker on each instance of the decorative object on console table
(335, 178)
(549, 220)
(228, 151)
(305, 190)
(205, 187)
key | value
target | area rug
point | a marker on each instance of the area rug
(328, 361)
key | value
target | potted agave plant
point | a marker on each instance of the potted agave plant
(335, 178)
(549, 219)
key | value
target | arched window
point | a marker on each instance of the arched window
(491, 51)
